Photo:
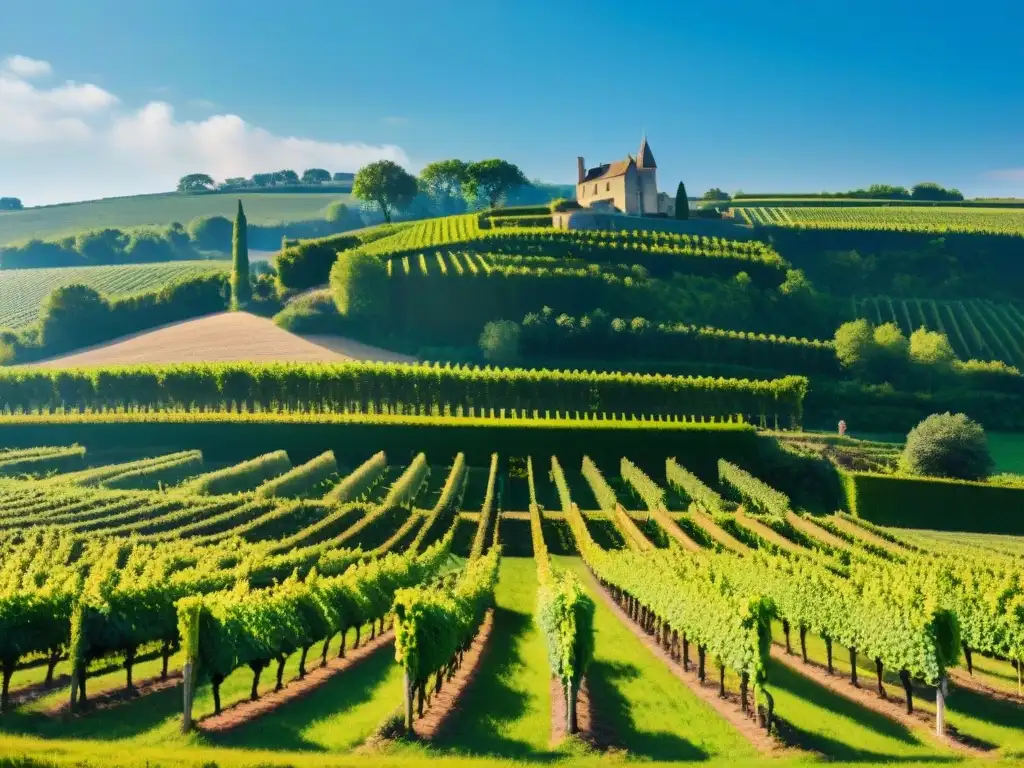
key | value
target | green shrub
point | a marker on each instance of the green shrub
(211, 233)
(947, 445)
(241, 477)
(300, 480)
(361, 286)
(499, 342)
(314, 312)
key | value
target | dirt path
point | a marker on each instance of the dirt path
(964, 680)
(223, 337)
(247, 711)
(894, 706)
(113, 697)
(445, 703)
(728, 708)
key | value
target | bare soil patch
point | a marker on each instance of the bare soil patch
(113, 697)
(728, 707)
(247, 711)
(224, 337)
(443, 704)
(30, 693)
(893, 706)
(587, 729)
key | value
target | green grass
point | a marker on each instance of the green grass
(649, 711)
(159, 210)
(22, 291)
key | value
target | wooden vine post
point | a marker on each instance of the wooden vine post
(940, 705)
(570, 707)
(189, 610)
(409, 689)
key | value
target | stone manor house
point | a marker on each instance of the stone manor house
(629, 186)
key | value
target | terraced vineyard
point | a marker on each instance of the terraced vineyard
(703, 615)
(22, 291)
(977, 329)
(997, 221)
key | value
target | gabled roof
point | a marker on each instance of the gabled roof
(609, 170)
(646, 156)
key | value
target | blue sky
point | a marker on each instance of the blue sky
(758, 96)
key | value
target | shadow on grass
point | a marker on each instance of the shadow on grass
(490, 700)
(811, 692)
(613, 712)
(282, 730)
(129, 719)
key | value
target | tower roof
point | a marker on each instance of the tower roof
(645, 158)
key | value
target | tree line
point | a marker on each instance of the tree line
(203, 182)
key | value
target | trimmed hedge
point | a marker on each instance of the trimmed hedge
(934, 503)
(303, 478)
(232, 437)
(241, 477)
(359, 481)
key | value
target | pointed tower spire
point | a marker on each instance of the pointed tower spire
(645, 158)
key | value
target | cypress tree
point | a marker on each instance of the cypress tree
(682, 210)
(241, 290)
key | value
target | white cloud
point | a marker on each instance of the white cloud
(76, 141)
(23, 66)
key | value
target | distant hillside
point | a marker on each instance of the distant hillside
(53, 221)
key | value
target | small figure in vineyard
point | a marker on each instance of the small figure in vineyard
(842, 428)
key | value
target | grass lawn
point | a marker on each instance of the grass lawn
(160, 210)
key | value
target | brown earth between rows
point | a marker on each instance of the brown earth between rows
(965, 680)
(113, 697)
(442, 705)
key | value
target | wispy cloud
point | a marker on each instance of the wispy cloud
(1007, 174)
(395, 120)
(78, 140)
(23, 66)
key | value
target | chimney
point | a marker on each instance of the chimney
(581, 170)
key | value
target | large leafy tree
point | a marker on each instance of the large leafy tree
(10, 204)
(195, 182)
(492, 180)
(715, 194)
(385, 184)
(241, 290)
(443, 182)
(315, 176)
(285, 177)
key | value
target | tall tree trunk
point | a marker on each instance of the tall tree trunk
(302, 662)
(878, 672)
(853, 667)
(216, 680)
(969, 660)
(341, 648)
(721, 681)
(686, 653)
(51, 665)
(5, 691)
(700, 663)
(356, 643)
(323, 652)
(744, 684)
(905, 679)
(828, 653)
(803, 643)
(281, 659)
(785, 631)
(257, 670)
(165, 654)
(129, 661)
